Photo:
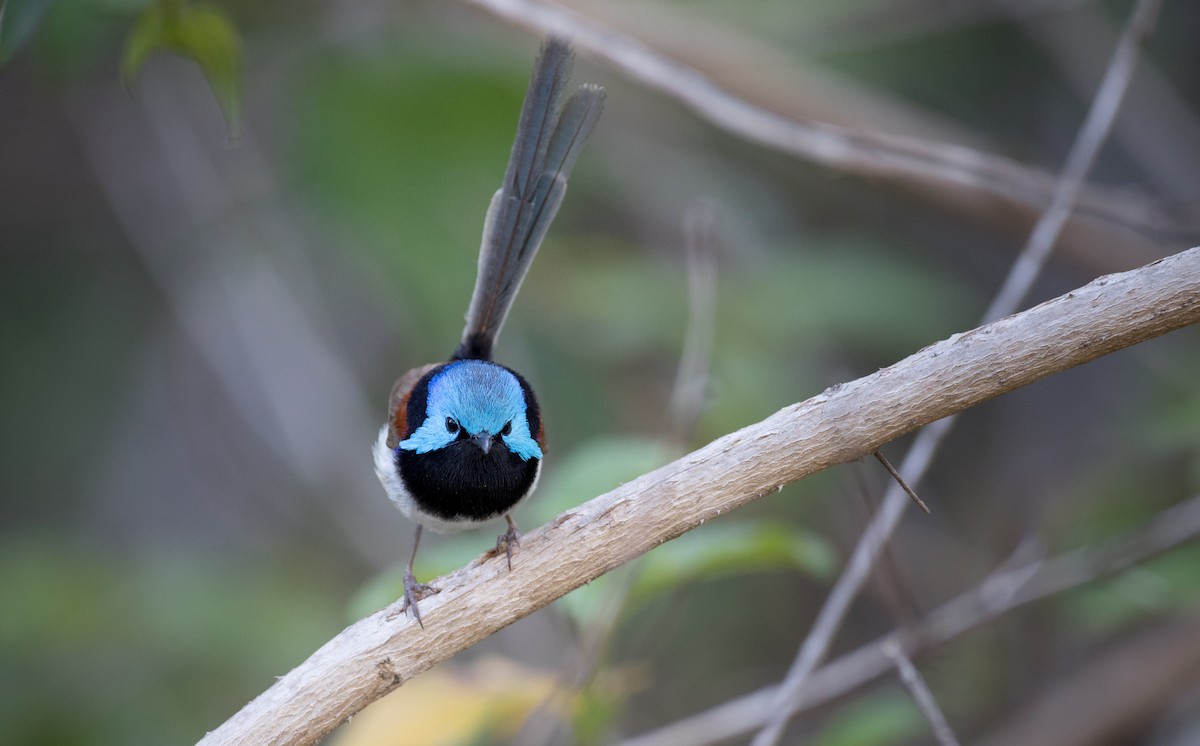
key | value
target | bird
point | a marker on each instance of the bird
(463, 440)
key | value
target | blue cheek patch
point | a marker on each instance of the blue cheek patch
(426, 438)
(522, 444)
(480, 396)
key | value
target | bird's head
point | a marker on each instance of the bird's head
(476, 404)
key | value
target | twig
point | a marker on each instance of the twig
(900, 481)
(912, 680)
(380, 652)
(1016, 286)
(689, 393)
(951, 172)
(1011, 587)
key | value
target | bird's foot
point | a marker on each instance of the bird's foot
(507, 540)
(414, 591)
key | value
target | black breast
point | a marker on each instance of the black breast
(461, 482)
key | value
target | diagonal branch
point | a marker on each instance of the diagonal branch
(379, 653)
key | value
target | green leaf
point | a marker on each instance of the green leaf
(201, 33)
(1162, 586)
(717, 551)
(594, 468)
(725, 549)
(18, 19)
(885, 717)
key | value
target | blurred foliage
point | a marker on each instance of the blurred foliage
(85, 635)
(18, 20)
(200, 32)
(886, 717)
(166, 549)
(734, 548)
(380, 143)
(1158, 588)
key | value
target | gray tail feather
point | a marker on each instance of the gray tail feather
(547, 144)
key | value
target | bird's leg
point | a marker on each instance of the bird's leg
(509, 539)
(413, 590)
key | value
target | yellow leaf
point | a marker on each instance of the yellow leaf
(452, 705)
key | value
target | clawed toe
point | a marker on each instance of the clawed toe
(414, 591)
(507, 540)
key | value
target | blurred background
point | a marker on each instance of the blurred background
(208, 283)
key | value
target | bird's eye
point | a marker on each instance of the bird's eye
(451, 425)
(507, 429)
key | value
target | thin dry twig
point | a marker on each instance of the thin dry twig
(1016, 286)
(380, 652)
(1012, 586)
(912, 495)
(915, 683)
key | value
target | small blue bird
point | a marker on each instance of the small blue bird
(463, 440)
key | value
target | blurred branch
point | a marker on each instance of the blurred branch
(913, 681)
(1021, 582)
(380, 652)
(951, 173)
(1164, 135)
(871, 27)
(1123, 687)
(231, 263)
(690, 391)
(1020, 278)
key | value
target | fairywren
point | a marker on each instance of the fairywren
(463, 439)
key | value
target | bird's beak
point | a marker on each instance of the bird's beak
(483, 439)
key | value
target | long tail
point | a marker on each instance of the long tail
(548, 142)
